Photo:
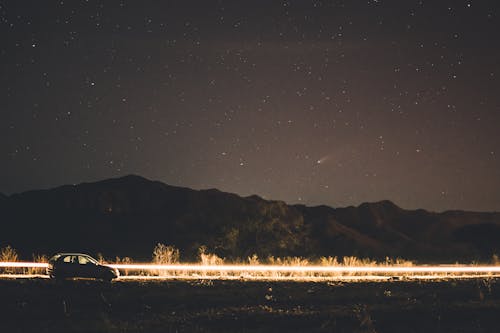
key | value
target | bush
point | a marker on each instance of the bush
(101, 259)
(8, 254)
(209, 258)
(328, 261)
(165, 254)
(38, 258)
(494, 260)
(253, 260)
(125, 261)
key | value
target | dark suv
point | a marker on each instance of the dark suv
(70, 265)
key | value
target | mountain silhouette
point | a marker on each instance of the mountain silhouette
(128, 216)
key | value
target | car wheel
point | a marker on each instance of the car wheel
(107, 278)
(57, 278)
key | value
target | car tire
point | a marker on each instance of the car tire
(58, 279)
(107, 278)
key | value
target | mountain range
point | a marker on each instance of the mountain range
(128, 216)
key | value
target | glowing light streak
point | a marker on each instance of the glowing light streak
(439, 269)
(311, 269)
(344, 278)
(23, 265)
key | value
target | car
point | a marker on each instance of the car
(79, 265)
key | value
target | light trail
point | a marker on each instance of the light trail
(339, 278)
(23, 265)
(309, 269)
(438, 269)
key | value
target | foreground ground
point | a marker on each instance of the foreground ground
(40, 305)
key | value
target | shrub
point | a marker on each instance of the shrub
(38, 258)
(165, 254)
(350, 261)
(253, 260)
(295, 261)
(124, 260)
(209, 258)
(8, 254)
(494, 260)
(403, 262)
(328, 261)
(100, 258)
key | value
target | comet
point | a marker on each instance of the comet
(323, 159)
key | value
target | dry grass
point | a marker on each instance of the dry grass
(169, 255)
(165, 255)
(125, 261)
(209, 258)
(38, 258)
(253, 260)
(9, 254)
(328, 261)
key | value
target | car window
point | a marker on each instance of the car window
(83, 260)
(54, 259)
(67, 259)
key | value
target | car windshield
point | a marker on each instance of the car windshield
(84, 260)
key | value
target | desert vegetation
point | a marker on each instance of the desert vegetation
(165, 254)
(251, 267)
(38, 258)
(8, 254)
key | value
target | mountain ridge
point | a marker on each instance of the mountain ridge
(127, 216)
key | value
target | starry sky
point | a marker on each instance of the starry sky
(314, 102)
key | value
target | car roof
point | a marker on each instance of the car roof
(65, 254)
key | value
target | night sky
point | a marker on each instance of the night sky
(313, 102)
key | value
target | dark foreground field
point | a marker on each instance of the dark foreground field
(41, 305)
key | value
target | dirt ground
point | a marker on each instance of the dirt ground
(41, 305)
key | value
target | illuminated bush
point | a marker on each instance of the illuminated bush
(253, 260)
(328, 261)
(165, 254)
(209, 258)
(350, 261)
(403, 262)
(124, 261)
(287, 261)
(8, 254)
(38, 258)
(101, 258)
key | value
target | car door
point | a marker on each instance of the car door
(87, 268)
(68, 266)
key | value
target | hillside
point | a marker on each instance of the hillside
(127, 216)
